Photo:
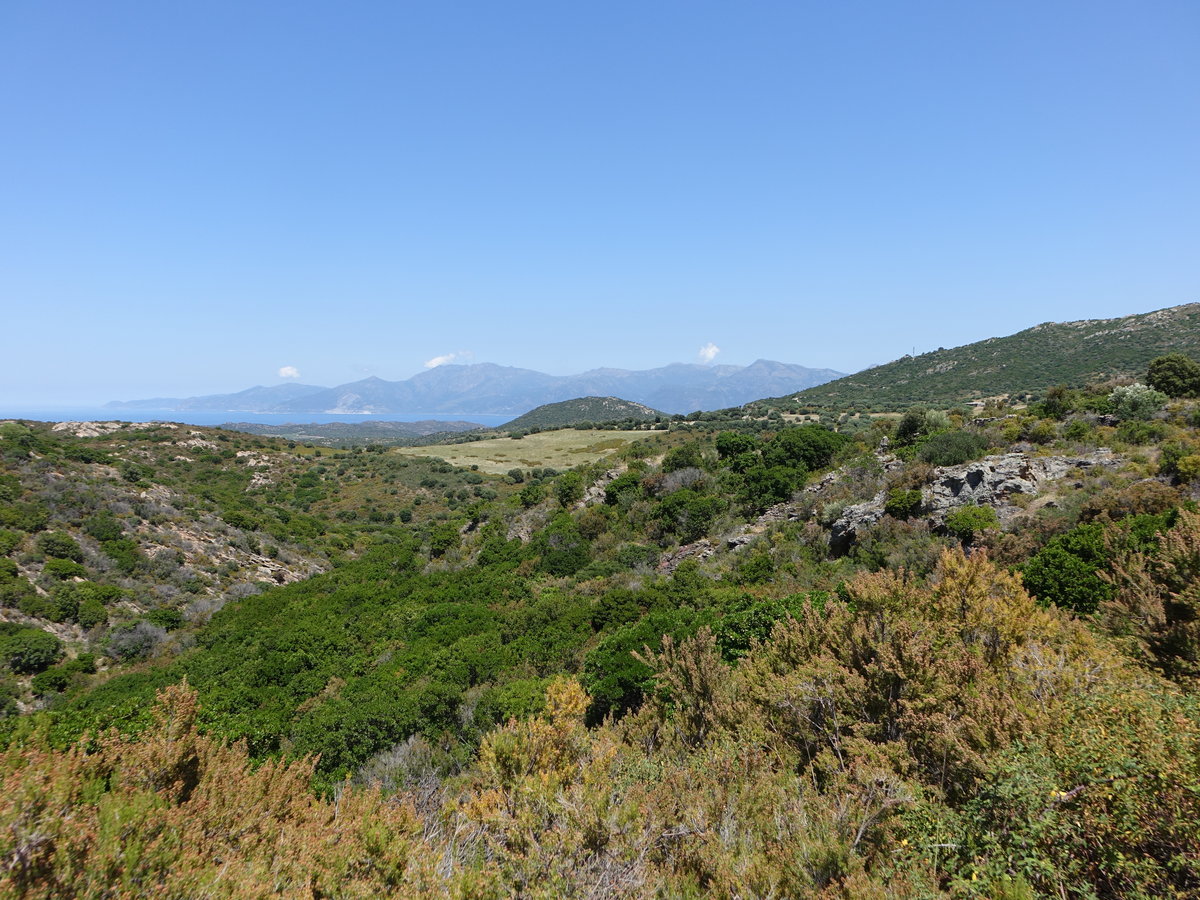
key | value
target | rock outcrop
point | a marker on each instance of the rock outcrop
(991, 481)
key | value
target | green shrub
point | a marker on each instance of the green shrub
(165, 618)
(953, 448)
(10, 541)
(1188, 468)
(1175, 374)
(688, 515)
(60, 545)
(28, 651)
(902, 504)
(966, 522)
(1079, 430)
(51, 681)
(1141, 432)
(61, 569)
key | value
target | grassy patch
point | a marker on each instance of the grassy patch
(556, 449)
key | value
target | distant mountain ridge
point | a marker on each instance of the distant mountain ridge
(487, 388)
(1030, 361)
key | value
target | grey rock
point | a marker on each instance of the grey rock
(991, 481)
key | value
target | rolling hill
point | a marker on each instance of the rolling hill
(582, 409)
(1030, 361)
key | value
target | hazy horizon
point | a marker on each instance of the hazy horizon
(202, 198)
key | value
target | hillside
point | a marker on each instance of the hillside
(780, 656)
(583, 410)
(1030, 361)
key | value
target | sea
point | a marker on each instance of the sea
(211, 417)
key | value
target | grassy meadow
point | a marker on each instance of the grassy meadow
(561, 449)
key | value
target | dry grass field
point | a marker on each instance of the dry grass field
(557, 449)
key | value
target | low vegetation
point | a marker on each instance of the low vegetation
(644, 669)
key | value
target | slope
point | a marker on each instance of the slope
(1030, 361)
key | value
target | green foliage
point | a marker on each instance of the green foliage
(165, 618)
(443, 538)
(953, 448)
(763, 487)
(51, 681)
(809, 447)
(563, 550)
(1071, 570)
(531, 495)
(687, 514)
(685, 456)
(10, 541)
(568, 488)
(1136, 431)
(1058, 402)
(627, 484)
(27, 517)
(902, 504)
(59, 569)
(1031, 361)
(732, 444)
(919, 422)
(1175, 374)
(28, 651)
(965, 522)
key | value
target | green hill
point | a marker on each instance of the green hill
(583, 409)
(1070, 353)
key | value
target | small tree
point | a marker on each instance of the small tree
(1175, 374)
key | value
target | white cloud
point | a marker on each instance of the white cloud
(708, 352)
(289, 372)
(448, 358)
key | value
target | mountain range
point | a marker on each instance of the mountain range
(490, 389)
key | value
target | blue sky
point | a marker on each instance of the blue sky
(197, 195)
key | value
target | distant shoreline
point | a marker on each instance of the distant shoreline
(210, 417)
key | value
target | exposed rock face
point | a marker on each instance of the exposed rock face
(701, 549)
(99, 429)
(991, 481)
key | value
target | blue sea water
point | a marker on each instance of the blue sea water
(217, 417)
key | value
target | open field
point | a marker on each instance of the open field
(557, 449)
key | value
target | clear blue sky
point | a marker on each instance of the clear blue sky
(197, 194)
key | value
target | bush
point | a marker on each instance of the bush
(1136, 401)
(1175, 374)
(28, 651)
(135, 641)
(10, 541)
(953, 448)
(688, 515)
(686, 456)
(569, 488)
(1188, 468)
(967, 521)
(60, 545)
(51, 681)
(1141, 432)
(62, 569)
(531, 495)
(902, 504)
(169, 619)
